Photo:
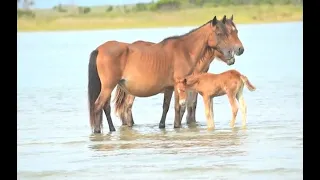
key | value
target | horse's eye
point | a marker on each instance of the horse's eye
(219, 34)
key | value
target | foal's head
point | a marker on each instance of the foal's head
(223, 37)
(182, 90)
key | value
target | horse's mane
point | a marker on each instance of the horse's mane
(219, 25)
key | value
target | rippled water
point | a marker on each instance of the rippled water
(55, 141)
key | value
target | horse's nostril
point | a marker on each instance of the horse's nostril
(241, 49)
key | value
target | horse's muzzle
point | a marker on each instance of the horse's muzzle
(231, 61)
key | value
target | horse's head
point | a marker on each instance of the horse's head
(223, 37)
(233, 36)
(181, 89)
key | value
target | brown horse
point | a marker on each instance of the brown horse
(210, 85)
(145, 71)
(124, 101)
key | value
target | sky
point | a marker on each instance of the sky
(51, 3)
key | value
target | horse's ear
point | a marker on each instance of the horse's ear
(231, 17)
(214, 21)
(224, 19)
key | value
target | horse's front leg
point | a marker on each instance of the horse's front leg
(191, 107)
(165, 107)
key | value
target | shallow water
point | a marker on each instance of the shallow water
(55, 141)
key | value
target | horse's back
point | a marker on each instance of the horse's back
(143, 43)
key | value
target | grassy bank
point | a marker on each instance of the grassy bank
(98, 18)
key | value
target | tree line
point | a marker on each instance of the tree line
(160, 5)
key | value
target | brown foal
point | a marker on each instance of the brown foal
(210, 85)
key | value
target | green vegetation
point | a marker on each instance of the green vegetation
(161, 13)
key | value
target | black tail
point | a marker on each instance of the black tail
(94, 86)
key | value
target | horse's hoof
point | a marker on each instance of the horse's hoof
(162, 125)
(112, 129)
(97, 131)
(176, 126)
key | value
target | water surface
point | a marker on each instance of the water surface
(55, 141)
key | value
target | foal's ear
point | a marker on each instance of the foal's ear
(184, 81)
(224, 19)
(231, 17)
(214, 21)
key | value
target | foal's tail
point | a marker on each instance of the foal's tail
(120, 101)
(94, 86)
(248, 84)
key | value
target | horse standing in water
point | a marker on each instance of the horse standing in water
(124, 101)
(210, 85)
(145, 71)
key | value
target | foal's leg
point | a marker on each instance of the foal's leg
(191, 108)
(177, 107)
(243, 107)
(234, 106)
(208, 106)
(183, 108)
(128, 110)
(165, 107)
(107, 111)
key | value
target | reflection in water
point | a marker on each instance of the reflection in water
(185, 140)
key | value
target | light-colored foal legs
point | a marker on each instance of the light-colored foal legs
(234, 107)
(243, 108)
(208, 105)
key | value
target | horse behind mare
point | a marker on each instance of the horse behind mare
(145, 71)
(210, 85)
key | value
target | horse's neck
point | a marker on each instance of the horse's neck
(205, 60)
(195, 44)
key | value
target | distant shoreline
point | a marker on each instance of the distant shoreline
(244, 14)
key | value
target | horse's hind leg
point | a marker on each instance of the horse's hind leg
(107, 111)
(165, 107)
(104, 96)
(243, 107)
(234, 106)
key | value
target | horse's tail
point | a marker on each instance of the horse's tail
(120, 99)
(247, 83)
(94, 86)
